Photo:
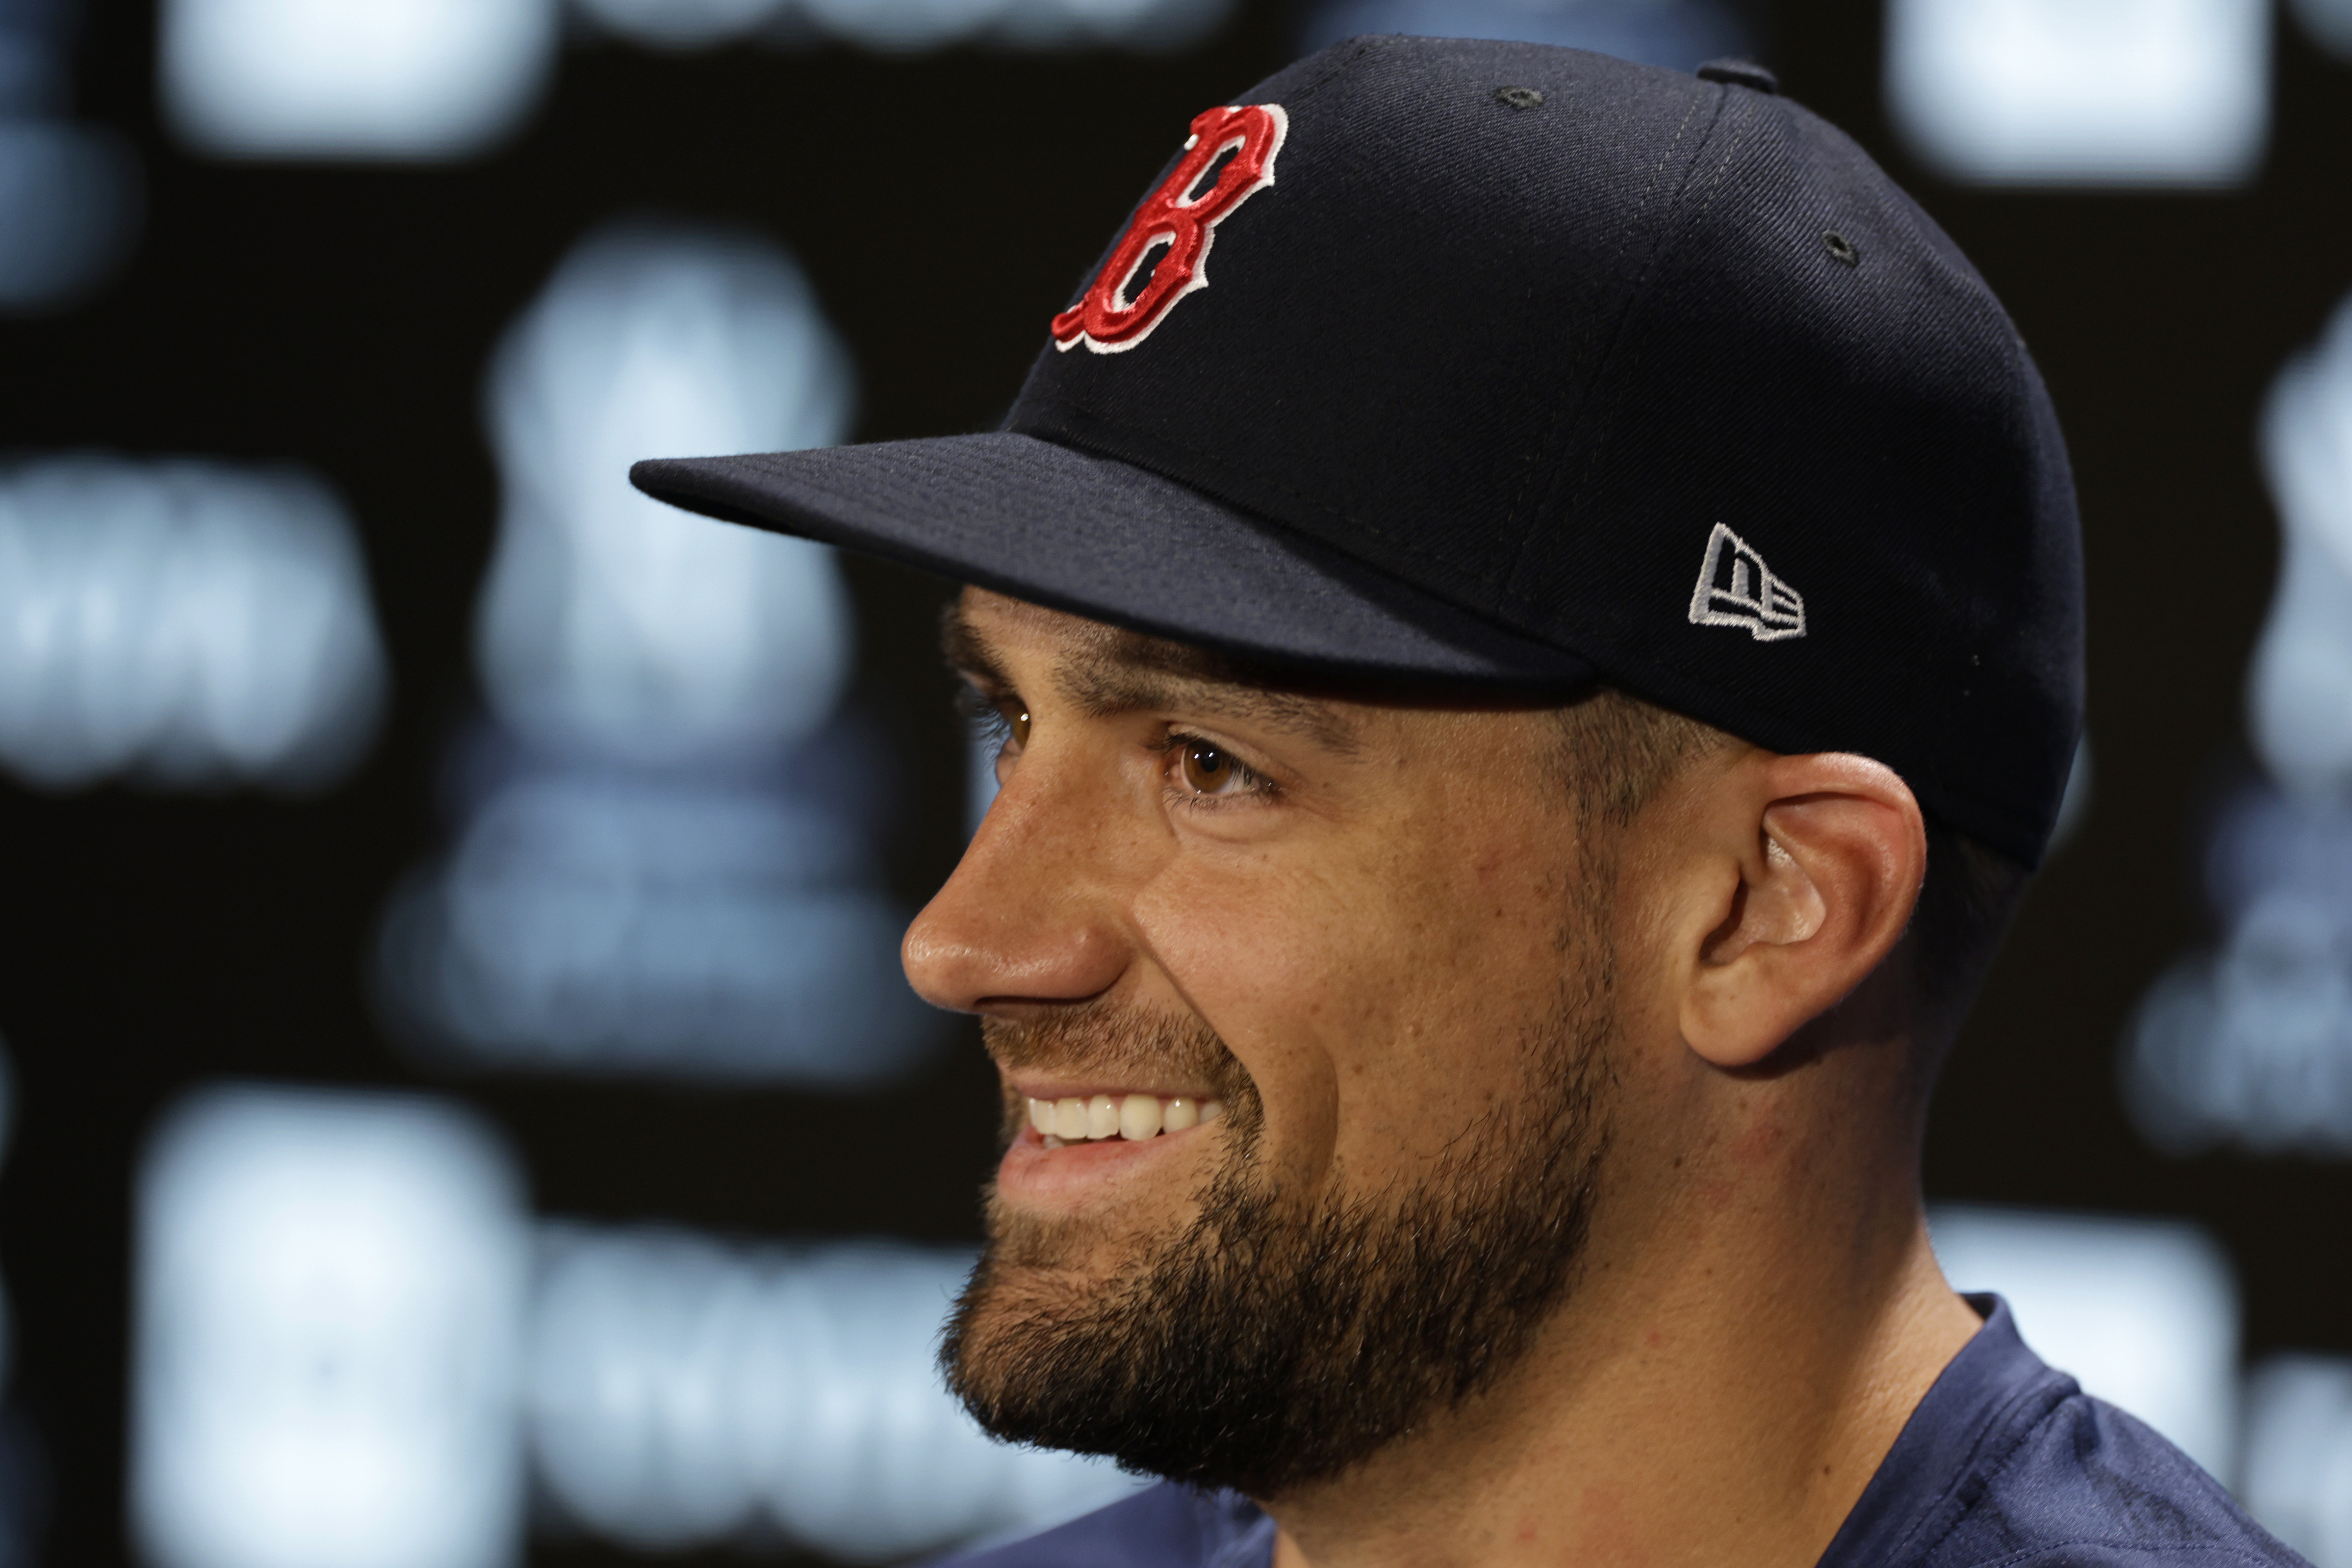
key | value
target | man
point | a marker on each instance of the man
(1533, 608)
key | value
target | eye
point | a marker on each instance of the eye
(1000, 725)
(1209, 771)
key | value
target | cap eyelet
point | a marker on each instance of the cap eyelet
(1740, 73)
(1841, 248)
(1519, 97)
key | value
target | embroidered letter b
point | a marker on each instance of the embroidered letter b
(1164, 254)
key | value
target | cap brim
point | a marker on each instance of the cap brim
(1108, 540)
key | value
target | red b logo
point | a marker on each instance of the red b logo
(1164, 254)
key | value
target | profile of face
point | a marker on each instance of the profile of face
(1376, 943)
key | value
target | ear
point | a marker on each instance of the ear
(1830, 852)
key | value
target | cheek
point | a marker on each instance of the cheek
(1266, 963)
(1476, 971)
(1380, 1010)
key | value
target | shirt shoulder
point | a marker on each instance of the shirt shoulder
(2008, 1464)
(2087, 1485)
(1165, 1526)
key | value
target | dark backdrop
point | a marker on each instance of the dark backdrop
(944, 207)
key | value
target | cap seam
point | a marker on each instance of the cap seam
(1558, 435)
(1363, 46)
(1605, 428)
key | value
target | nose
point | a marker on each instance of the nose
(1028, 917)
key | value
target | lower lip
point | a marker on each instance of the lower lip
(1079, 1174)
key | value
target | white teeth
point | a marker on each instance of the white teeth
(1134, 1117)
(1138, 1117)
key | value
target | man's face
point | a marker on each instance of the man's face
(1371, 932)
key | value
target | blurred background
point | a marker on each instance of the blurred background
(461, 1109)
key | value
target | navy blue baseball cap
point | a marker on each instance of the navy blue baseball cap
(1516, 367)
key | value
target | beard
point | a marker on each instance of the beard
(1259, 1348)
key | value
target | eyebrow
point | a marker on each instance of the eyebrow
(1129, 671)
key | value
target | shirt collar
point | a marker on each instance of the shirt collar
(1234, 1531)
(1993, 1388)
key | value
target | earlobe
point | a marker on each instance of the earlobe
(1830, 852)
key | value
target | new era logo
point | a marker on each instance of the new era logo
(1736, 589)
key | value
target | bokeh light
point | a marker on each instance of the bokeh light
(681, 1390)
(186, 623)
(2081, 92)
(351, 1343)
(665, 867)
(2298, 1460)
(2251, 1043)
(613, 626)
(330, 1288)
(353, 78)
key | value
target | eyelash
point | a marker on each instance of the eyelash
(985, 714)
(978, 710)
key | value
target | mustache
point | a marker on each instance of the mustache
(1111, 1041)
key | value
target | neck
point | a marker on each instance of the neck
(1743, 1345)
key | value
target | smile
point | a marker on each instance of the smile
(1098, 1118)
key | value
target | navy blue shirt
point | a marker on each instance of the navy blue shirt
(2004, 1462)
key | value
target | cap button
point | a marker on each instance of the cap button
(1740, 73)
